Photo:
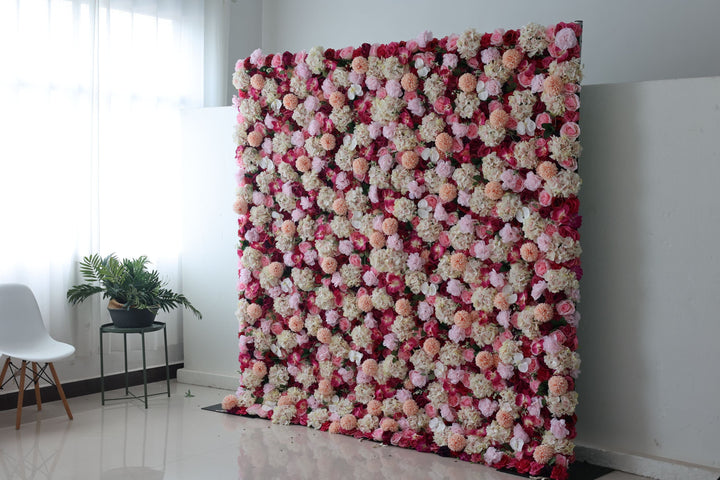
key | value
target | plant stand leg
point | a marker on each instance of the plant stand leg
(142, 334)
(60, 390)
(21, 391)
(102, 371)
(167, 366)
(127, 387)
(36, 381)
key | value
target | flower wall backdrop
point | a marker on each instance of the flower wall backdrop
(408, 243)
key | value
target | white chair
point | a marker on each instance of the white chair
(23, 336)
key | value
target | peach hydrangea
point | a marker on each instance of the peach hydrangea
(374, 407)
(296, 323)
(402, 307)
(448, 192)
(543, 312)
(431, 346)
(529, 252)
(259, 368)
(388, 425)
(303, 163)
(456, 442)
(511, 58)
(499, 118)
(328, 265)
(410, 159)
(327, 141)
(467, 82)
(410, 407)
(360, 166)
(340, 206)
(254, 138)
(443, 142)
(360, 65)
(543, 453)
(390, 226)
(462, 319)
(290, 101)
(409, 82)
(494, 190)
(484, 360)
(257, 81)
(254, 311)
(553, 85)
(324, 335)
(348, 422)
(557, 385)
(547, 170)
(370, 367)
(337, 99)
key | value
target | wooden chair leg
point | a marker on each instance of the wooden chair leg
(4, 370)
(36, 380)
(21, 391)
(60, 390)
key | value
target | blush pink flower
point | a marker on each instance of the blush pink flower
(565, 39)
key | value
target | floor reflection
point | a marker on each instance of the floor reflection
(299, 452)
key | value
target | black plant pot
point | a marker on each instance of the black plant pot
(133, 318)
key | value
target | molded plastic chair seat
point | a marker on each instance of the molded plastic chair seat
(23, 336)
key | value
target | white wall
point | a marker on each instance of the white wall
(623, 41)
(209, 259)
(648, 338)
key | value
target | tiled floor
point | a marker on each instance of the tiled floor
(175, 439)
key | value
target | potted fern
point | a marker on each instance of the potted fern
(136, 294)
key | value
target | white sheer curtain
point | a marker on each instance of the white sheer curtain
(90, 94)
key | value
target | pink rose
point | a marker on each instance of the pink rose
(347, 53)
(541, 267)
(572, 102)
(450, 60)
(276, 61)
(355, 260)
(542, 119)
(545, 198)
(565, 307)
(496, 38)
(565, 39)
(418, 379)
(570, 130)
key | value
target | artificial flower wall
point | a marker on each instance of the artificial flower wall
(408, 243)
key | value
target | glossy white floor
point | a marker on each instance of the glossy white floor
(175, 439)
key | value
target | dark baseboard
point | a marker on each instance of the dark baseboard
(49, 393)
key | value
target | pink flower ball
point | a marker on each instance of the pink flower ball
(402, 307)
(467, 82)
(499, 118)
(547, 170)
(456, 442)
(558, 385)
(543, 453)
(255, 138)
(377, 240)
(462, 319)
(360, 166)
(410, 159)
(229, 402)
(240, 206)
(374, 407)
(504, 418)
(259, 368)
(296, 323)
(448, 192)
(257, 81)
(409, 82)
(565, 39)
(500, 302)
(360, 65)
(348, 422)
(324, 335)
(370, 367)
(431, 346)
(390, 226)
(337, 99)
(340, 206)
(410, 407)
(543, 312)
(388, 425)
(512, 58)
(328, 265)
(364, 303)
(290, 100)
(288, 227)
(484, 360)
(324, 387)
(334, 427)
(458, 261)
(275, 269)
(303, 163)
(327, 141)
(529, 252)
(254, 311)
(553, 85)
(494, 190)
(443, 142)
(285, 401)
